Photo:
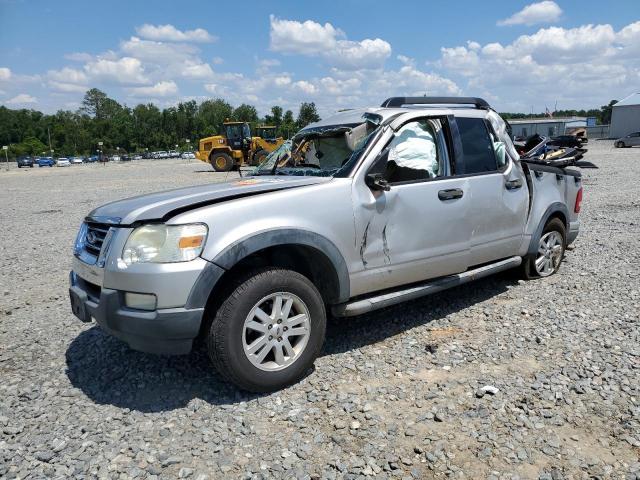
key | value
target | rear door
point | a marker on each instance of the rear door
(499, 198)
(634, 139)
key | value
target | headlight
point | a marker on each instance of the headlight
(164, 243)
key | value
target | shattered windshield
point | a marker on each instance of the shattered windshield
(323, 152)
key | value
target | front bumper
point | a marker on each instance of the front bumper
(168, 331)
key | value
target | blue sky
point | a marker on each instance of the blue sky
(519, 55)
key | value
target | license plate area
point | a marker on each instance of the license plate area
(89, 273)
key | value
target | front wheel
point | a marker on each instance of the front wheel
(548, 257)
(619, 144)
(268, 331)
(221, 162)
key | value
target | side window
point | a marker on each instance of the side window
(417, 152)
(478, 149)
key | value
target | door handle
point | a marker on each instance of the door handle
(513, 184)
(450, 194)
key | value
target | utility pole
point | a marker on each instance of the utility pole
(49, 134)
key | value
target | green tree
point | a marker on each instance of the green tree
(210, 116)
(606, 111)
(29, 146)
(94, 102)
(246, 113)
(307, 114)
(288, 127)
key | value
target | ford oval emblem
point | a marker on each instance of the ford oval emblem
(92, 237)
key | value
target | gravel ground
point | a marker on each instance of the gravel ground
(395, 394)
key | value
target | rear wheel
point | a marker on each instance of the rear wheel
(269, 331)
(548, 257)
(619, 144)
(221, 162)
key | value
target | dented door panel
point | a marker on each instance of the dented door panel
(408, 234)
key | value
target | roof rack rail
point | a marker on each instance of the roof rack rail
(400, 101)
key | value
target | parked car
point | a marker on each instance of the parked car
(631, 140)
(76, 160)
(187, 155)
(137, 157)
(91, 159)
(25, 162)
(45, 162)
(125, 158)
(63, 162)
(363, 210)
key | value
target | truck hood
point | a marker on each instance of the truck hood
(161, 206)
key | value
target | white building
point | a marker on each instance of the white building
(625, 116)
(547, 127)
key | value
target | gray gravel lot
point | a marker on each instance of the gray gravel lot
(396, 394)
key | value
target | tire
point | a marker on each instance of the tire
(229, 336)
(258, 157)
(221, 162)
(620, 145)
(551, 246)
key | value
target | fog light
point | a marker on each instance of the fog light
(141, 301)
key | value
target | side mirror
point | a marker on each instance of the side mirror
(375, 178)
(376, 181)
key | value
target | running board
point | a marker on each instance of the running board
(358, 307)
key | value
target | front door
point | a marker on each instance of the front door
(419, 228)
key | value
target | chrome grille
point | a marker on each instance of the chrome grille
(94, 238)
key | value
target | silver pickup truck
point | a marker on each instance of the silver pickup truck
(360, 211)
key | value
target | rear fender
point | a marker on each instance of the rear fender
(553, 209)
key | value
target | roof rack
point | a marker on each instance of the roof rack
(400, 101)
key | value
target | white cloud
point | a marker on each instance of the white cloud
(64, 87)
(406, 60)
(306, 38)
(160, 89)
(535, 13)
(340, 87)
(195, 70)
(68, 75)
(172, 34)
(306, 87)
(313, 39)
(580, 67)
(282, 80)
(217, 60)
(5, 74)
(365, 54)
(126, 70)
(211, 87)
(21, 99)
(159, 53)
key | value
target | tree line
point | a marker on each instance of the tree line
(145, 126)
(602, 114)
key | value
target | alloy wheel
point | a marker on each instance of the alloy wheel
(273, 341)
(550, 251)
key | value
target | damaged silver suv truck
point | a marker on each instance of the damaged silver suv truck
(363, 210)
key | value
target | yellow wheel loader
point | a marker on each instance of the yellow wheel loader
(236, 147)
